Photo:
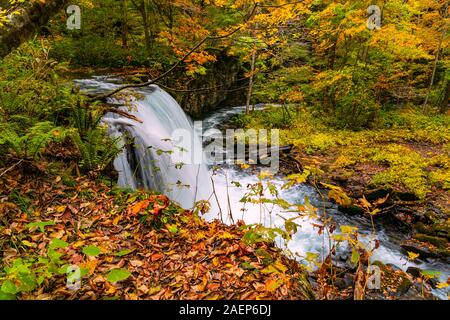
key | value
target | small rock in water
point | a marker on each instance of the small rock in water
(345, 282)
(414, 271)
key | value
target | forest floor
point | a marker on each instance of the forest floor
(64, 236)
(128, 245)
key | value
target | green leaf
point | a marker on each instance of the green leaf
(27, 283)
(7, 296)
(9, 287)
(355, 257)
(91, 251)
(172, 228)
(58, 244)
(122, 253)
(54, 255)
(118, 275)
(430, 273)
(41, 224)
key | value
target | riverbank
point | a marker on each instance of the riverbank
(128, 245)
(138, 245)
(398, 174)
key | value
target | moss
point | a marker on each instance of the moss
(422, 228)
(406, 170)
(440, 243)
(404, 285)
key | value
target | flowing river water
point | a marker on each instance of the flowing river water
(147, 164)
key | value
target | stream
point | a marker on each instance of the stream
(147, 164)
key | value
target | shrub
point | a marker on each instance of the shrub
(96, 148)
(30, 144)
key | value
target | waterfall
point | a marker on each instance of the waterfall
(141, 165)
(146, 160)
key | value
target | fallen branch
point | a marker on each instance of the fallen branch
(12, 167)
(123, 114)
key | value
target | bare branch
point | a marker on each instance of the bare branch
(175, 65)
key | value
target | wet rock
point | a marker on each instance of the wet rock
(376, 194)
(345, 282)
(422, 228)
(406, 196)
(223, 73)
(414, 271)
(442, 229)
(341, 180)
(415, 293)
(417, 273)
(351, 210)
(424, 251)
(404, 286)
(439, 243)
(343, 257)
(400, 285)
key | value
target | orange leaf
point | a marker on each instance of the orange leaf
(138, 207)
(156, 256)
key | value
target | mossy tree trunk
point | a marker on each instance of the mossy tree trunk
(30, 18)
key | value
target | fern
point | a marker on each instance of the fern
(85, 120)
(31, 144)
(96, 149)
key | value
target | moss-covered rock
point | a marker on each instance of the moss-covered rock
(396, 284)
(420, 227)
(440, 243)
(425, 249)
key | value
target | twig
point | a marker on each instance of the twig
(175, 65)
(217, 198)
(124, 114)
(12, 167)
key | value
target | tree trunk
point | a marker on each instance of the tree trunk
(25, 24)
(143, 8)
(444, 32)
(146, 25)
(250, 84)
(125, 24)
(444, 103)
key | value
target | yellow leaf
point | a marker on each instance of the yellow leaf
(265, 174)
(91, 265)
(154, 290)
(365, 203)
(29, 244)
(78, 244)
(442, 285)
(280, 266)
(226, 235)
(116, 220)
(272, 285)
(244, 166)
(412, 256)
(340, 197)
(348, 229)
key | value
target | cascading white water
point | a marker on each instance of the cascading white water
(146, 161)
(141, 165)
